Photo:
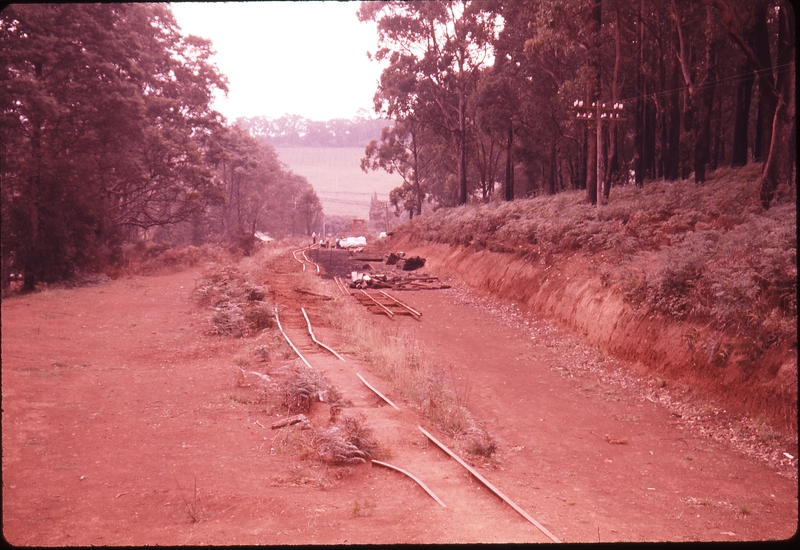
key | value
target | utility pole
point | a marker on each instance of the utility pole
(599, 112)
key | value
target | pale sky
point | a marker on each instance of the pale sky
(304, 58)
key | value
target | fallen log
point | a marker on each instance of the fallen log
(289, 421)
(301, 291)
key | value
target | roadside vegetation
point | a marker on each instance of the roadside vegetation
(109, 139)
(704, 253)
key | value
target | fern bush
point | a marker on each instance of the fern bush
(707, 253)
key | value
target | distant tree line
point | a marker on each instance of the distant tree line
(107, 138)
(499, 95)
(297, 131)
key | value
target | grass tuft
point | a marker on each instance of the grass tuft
(429, 386)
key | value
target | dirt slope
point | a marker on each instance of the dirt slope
(571, 293)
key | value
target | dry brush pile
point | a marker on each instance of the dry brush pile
(294, 392)
(242, 309)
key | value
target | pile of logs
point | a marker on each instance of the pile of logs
(399, 259)
(406, 264)
(394, 282)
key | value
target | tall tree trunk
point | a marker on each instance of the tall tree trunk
(462, 150)
(591, 159)
(419, 195)
(638, 141)
(594, 176)
(638, 132)
(778, 168)
(674, 154)
(705, 104)
(744, 94)
(662, 110)
(32, 257)
(690, 97)
(510, 163)
(718, 150)
(650, 138)
(583, 175)
(612, 166)
(767, 99)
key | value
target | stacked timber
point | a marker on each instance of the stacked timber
(395, 282)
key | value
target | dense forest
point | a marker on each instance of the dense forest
(108, 139)
(535, 97)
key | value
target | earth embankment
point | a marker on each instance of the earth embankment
(571, 292)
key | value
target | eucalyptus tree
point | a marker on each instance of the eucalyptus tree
(435, 53)
(751, 25)
(105, 110)
(308, 210)
(399, 152)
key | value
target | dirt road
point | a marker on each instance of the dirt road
(125, 423)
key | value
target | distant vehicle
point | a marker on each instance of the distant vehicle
(351, 242)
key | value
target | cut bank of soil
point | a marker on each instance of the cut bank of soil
(124, 423)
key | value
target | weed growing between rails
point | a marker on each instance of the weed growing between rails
(194, 506)
(276, 382)
(241, 307)
(430, 387)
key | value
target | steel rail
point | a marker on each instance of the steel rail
(308, 260)
(294, 255)
(314, 338)
(341, 286)
(384, 464)
(297, 351)
(491, 487)
(379, 394)
(411, 310)
(377, 303)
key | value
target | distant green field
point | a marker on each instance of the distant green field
(336, 176)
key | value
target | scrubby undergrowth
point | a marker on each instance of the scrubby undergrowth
(695, 281)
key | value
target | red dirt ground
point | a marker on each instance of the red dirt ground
(125, 423)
